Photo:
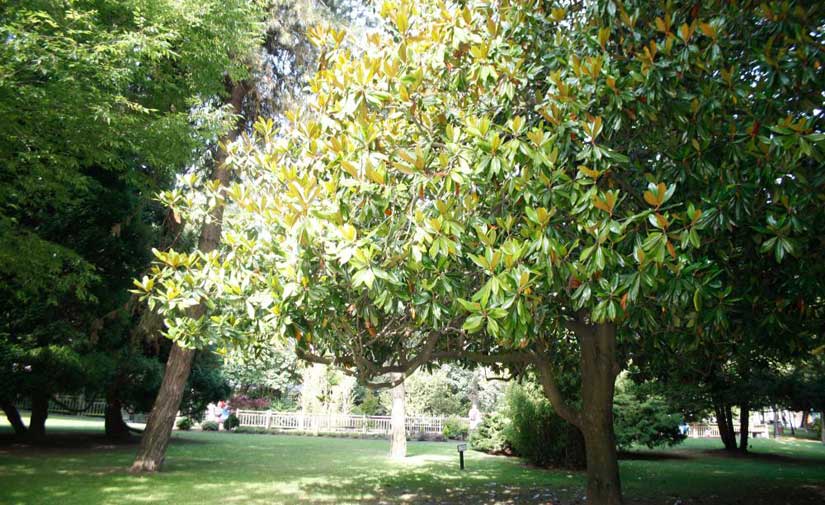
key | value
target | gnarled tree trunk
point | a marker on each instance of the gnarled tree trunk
(13, 415)
(115, 427)
(398, 429)
(744, 426)
(775, 422)
(599, 370)
(724, 422)
(40, 411)
(822, 423)
(161, 420)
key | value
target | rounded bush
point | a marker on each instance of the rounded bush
(209, 426)
(455, 429)
(231, 422)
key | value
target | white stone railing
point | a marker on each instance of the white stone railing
(334, 423)
(704, 430)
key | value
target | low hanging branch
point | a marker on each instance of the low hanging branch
(73, 410)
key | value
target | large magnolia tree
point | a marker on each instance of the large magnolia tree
(510, 182)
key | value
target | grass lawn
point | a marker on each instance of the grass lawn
(222, 468)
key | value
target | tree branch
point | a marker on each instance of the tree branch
(553, 393)
(514, 357)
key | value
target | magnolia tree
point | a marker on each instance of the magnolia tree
(508, 183)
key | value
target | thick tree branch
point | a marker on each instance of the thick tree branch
(576, 326)
(513, 357)
(552, 391)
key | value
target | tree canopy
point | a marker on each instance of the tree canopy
(516, 181)
(103, 103)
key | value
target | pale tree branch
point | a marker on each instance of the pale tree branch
(364, 369)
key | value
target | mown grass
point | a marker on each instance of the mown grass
(78, 467)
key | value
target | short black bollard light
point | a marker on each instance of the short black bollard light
(461, 449)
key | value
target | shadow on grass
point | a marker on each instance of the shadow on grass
(61, 440)
(654, 456)
(205, 468)
(768, 457)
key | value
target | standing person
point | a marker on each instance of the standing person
(219, 414)
(225, 411)
(475, 417)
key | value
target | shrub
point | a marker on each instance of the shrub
(643, 419)
(244, 402)
(184, 424)
(816, 427)
(490, 434)
(255, 430)
(209, 426)
(370, 405)
(231, 422)
(283, 405)
(538, 434)
(423, 436)
(455, 429)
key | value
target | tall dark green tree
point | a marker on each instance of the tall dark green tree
(803, 387)
(103, 102)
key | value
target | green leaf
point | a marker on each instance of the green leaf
(364, 277)
(492, 326)
(473, 323)
(469, 306)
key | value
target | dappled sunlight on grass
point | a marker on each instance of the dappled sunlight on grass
(205, 468)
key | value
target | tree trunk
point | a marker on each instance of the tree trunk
(13, 415)
(724, 422)
(599, 370)
(822, 423)
(805, 414)
(162, 418)
(115, 427)
(40, 411)
(398, 435)
(744, 426)
(775, 422)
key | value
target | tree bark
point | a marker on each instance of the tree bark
(822, 423)
(724, 422)
(13, 415)
(744, 426)
(114, 426)
(40, 411)
(805, 414)
(599, 370)
(161, 420)
(775, 422)
(398, 435)
(152, 450)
